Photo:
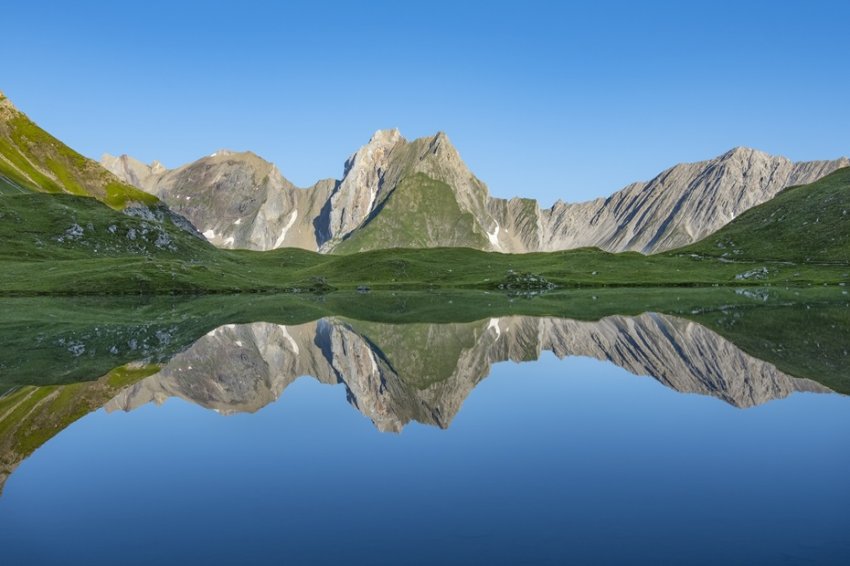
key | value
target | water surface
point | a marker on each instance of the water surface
(508, 439)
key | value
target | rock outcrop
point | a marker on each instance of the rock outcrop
(395, 374)
(239, 200)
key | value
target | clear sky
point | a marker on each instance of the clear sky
(542, 99)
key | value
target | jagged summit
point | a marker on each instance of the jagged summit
(5, 102)
(391, 135)
(745, 152)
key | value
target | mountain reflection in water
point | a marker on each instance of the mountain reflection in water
(395, 374)
(545, 449)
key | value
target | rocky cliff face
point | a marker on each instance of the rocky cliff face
(395, 374)
(237, 200)
(421, 194)
(682, 205)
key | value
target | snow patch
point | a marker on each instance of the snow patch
(494, 324)
(286, 228)
(209, 234)
(494, 237)
(373, 193)
(289, 339)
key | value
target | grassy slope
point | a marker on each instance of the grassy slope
(67, 244)
(33, 159)
(466, 268)
(45, 253)
(41, 253)
(417, 212)
(807, 223)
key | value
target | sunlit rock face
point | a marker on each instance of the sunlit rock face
(236, 199)
(681, 205)
(239, 200)
(395, 374)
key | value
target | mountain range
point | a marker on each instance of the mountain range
(395, 193)
(420, 193)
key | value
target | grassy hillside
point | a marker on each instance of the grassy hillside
(32, 159)
(62, 227)
(418, 212)
(62, 244)
(67, 244)
(803, 224)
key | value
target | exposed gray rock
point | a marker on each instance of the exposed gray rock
(682, 205)
(238, 200)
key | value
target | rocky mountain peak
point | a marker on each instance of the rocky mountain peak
(390, 136)
(7, 109)
(130, 170)
(441, 146)
(362, 182)
(743, 154)
(223, 152)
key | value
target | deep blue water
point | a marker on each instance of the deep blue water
(547, 462)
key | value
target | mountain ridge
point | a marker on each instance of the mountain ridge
(679, 206)
(31, 159)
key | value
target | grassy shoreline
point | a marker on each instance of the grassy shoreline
(297, 271)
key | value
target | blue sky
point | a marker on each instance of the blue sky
(542, 99)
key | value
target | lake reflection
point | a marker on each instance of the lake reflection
(395, 374)
(546, 461)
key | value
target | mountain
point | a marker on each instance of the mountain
(33, 160)
(808, 223)
(238, 200)
(422, 372)
(395, 193)
(58, 205)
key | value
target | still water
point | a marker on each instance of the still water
(648, 438)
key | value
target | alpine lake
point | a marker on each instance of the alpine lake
(654, 426)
